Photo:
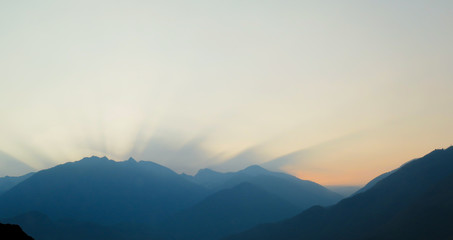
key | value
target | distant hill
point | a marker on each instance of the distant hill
(414, 202)
(6, 183)
(301, 193)
(211, 179)
(103, 191)
(229, 211)
(217, 180)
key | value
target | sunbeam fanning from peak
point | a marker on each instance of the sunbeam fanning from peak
(330, 91)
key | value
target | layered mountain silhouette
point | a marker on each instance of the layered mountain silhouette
(97, 198)
(6, 183)
(374, 181)
(301, 193)
(103, 191)
(12, 231)
(229, 211)
(413, 202)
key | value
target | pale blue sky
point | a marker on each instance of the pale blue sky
(362, 86)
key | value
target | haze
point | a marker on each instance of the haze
(334, 92)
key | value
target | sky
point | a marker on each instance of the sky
(336, 92)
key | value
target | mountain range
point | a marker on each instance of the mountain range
(97, 196)
(103, 191)
(229, 211)
(412, 202)
(300, 193)
(7, 182)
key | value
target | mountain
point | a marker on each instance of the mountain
(374, 181)
(217, 180)
(13, 231)
(41, 227)
(429, 217)
(103, 191)
(378, 178)
(418, 194)
(211, 179)
(301, 193)
(229, 211)
(6, 183)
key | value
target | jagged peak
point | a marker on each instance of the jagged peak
(95, 158)
(92, 161)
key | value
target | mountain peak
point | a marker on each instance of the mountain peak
(95, 158)
(416, 194)
(205, 171)
(254, 169)
(131, 160)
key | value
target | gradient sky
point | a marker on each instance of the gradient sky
(332, 91)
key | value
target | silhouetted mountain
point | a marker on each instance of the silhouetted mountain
(103, 191)
(6, 183)
(374, 181)
(217, 180)
(229, 211)
(212, 179)
(414, 195)
(429, 217)
(41, 227)
(301, 193)
(13, 232)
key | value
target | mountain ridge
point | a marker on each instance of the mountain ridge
(88, 189)
(301, 193)
(364, 213)
(228, 211)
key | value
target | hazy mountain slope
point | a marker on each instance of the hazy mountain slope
(101, 190)
(374, 181)
(230, 211)
(301, 193)
(6, 183)
(10, 231)
(358, 216)
(14, 166)
(217, 180)
(212, 179)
